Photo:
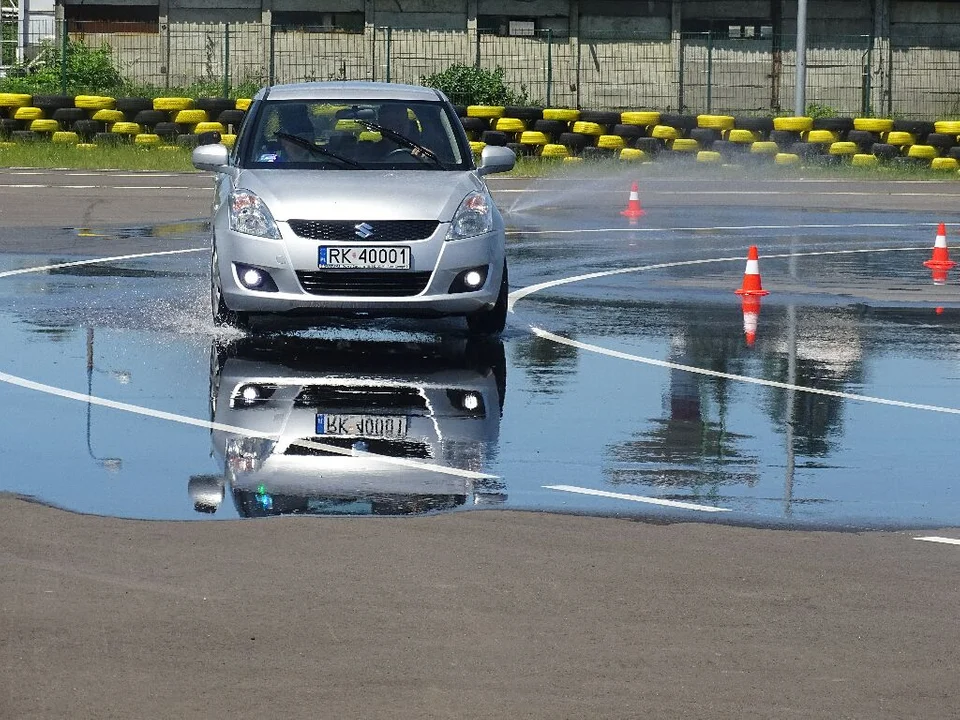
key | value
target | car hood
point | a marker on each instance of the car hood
(360, 194)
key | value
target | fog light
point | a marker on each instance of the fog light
(250, 393)
(253, 278)
(469, 280)
(471, 401)
(473, 279)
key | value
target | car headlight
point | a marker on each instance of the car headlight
(249, 215)
(473, 217)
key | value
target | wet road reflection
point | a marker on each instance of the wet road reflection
(654, 393)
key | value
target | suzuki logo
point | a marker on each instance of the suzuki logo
(363, 230)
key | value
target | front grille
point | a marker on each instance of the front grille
(367, 398)
(356, 283)
(381, 231)
(378, 446)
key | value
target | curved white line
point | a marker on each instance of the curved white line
(809, 226)
(637, 498)
(730, 376)
(77, 263)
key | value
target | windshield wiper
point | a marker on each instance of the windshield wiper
(317, 149)
(417, 150)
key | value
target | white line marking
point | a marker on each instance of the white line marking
(741, 378)
(938, 539)
(637, 498)
(186, 420)
(76, 263)
(725, 228)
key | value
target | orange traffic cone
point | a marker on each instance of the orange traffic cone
(941, 256)
(751, 276)
(751, 314)
(633, 209)
(939, 275)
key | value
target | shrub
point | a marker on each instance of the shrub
(87, 70)
(469, 85)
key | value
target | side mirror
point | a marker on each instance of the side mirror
(211, 157)
(495, 159)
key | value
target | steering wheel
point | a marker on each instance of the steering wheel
(400, 151)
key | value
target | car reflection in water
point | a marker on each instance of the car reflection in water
(353, 427)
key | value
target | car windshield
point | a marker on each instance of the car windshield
(351, 135)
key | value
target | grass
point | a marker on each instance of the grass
(177, 159)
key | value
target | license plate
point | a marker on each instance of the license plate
(365, 257)
(382, 426)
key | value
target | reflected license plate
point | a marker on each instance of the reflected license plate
(365, 257)
(383, 426)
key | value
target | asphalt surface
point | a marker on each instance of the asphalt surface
(484, 614)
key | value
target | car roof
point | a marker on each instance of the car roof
(353, 90)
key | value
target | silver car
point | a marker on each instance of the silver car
(355, 198)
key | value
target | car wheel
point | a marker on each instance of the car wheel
(222, 315)
(492, 321)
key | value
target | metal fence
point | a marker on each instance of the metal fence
(688, 72)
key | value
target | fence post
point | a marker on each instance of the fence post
(64, 49)
(680, 69)
(709, 71)
(549, 66)
(388, 50)
(867, 63)
(226, 60)
(271, 63)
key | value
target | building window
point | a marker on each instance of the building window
(112, 18)
(505, 25)
(306, 21)
(735, 29)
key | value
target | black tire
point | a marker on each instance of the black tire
(232, 117)
(551, 128)
(494, 320)
(651, 146)
(679, 122)
(784, 138)
(167, 129)
(954, 153)
(222, 315)
(67, 115)
(211, 137)
(576, 142)
(910, 162)
(130, 106)
(214, 105)
(757, 124)
(807, 150)
(527, 114)
(837, 124)
(149, 118)
(460, 110)
(51, 103)
(494, 137)
(25, 136)
(705, 136)
(600, 117)
(941, 140)
(919, 128)
(863, 138)
(598, 154)
(521, 150)
(86, 129)
(885, 151)
(474, 124)
(7, 126)
(628, 132)
(729, 149)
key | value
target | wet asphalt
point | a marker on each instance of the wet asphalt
(632, 381)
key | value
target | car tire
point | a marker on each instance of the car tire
(222, 315)
(494, 320)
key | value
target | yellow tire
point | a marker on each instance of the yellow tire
(45, 126)
(28, 113)
(796, 123)
(899, 137)
(369, 136)
(947, 127)
(476, 147)
(573, 159)
(640, 117)
(664, 132)
(632, 155)
(173, 104)
(485, 111)
(786, 159)
(944, 163)
(562, 114)
(229, 139)
(126, 128)
(65, 138)
(925, 152)
(553, 150)
(509, 125)
(738, 135)
(531, 137)
(209, 126)
(880, 125)
(710, 157)
(821, 137)
(243, 104)
(94, 102)
(7, 144)
(685, 145)
(864, 160)
(843, 148)
(86, 146)
(146, 139)
(15, 100)
(190, 117)
(588, 128)
(764, 147)
(108, 116)
(719, 122)
(611, 142)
